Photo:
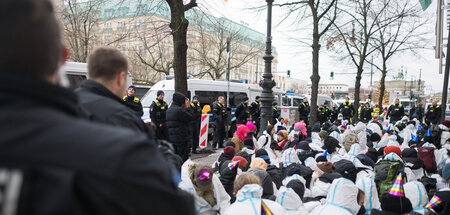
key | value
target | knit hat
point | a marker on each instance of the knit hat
(330, 144)
(178, 98)
(395, 201)
(297, 186)
(286, 120)
(446, 172)
(260, 152)
(380, 118)
(258, 162)
(242, 161)
(323, 134)
(203, 176)
(321, 158)
(159, 92)
(394, 149)
(230, 143)
(230, 151)
(372, 154)
(316, 127)
(304, 145)
(292, 170)
(375, 137)
(326, 167)
(132, 87)
(446, 123)
(250, 126)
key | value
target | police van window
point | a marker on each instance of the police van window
(151, 95)
(286, 101)
(236, 98)
(297, 102)
(208, 97)
(75, 80)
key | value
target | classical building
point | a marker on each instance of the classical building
(401, 88)
(291, 84)
(338, 91)
(140, 30)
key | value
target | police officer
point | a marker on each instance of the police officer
(158, 110)
(347, 110)
(396, 112)
(255, 112)
(303, 110)
(242, 112)
(196, 111)
(334, 112)
(433, 114)
(322, 113)
(366, 113)
(375, 112)
(133, 102)
(276, 112)
(220, 117)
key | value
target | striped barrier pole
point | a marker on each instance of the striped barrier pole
(204, 131)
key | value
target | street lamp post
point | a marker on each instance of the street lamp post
(267, 83)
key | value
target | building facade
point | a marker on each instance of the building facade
(338, 91)
(402, 88)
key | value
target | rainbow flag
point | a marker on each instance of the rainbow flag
(233, 165)
(434, 202)
(397, 188)
(264, 209)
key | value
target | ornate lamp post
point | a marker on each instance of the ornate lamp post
(267, 83)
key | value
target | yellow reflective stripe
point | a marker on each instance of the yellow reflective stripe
(124, 98)
(136, 99)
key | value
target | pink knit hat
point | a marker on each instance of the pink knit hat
(301, 127)
(251, 126)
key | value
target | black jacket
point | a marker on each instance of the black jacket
(196, 110)
(178, 120)
(347, 109)
(255, 110)
(304, 109)
(105, 107)
(72, 166)
(158, 110)
(396, 111)
(242, 113)
(134, 103)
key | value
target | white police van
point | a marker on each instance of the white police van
(208, 91)
(73, 73)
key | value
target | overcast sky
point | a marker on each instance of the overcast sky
(297, 57)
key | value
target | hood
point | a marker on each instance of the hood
(290, 156)
(293, 177)
(428, 145)
(371, 200)
(288, 199)
(336, 136)
(343, 193)
(227, 175)
(250, 194)
(417, 194)
(311, 163)
(392, 157)
(354, 150)
(360, 127)
(375, 128)
(330, 144)
(266, 181)
(241, 131)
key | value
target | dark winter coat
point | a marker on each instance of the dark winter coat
(266, 182)
(227, 177)
(69, 165)
(178, 120)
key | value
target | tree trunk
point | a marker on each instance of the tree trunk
(357, 89)
(382, 85)
(179, 25)
(315, 77)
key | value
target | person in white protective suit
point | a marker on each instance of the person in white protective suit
(289, 157)
(417, 194)
(210, 195)
(342, 199)
(371, 200)
(248, 198)
(290, 201)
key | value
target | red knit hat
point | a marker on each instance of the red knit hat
(395, 149)
(230, 151)
(242, 161)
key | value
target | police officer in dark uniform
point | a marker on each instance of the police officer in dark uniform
(255, 112)
(133, 102)
(276, 112)
(433, 114)
(303, 110)
(196, 111)
(242, 112)
(322, 113)
(220, 117)
(158, 110)
(347, 110)
(334, 112)
(366, 113)
(396, 112)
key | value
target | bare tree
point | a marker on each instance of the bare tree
(209, 50)
(362, 21)
(398, 36)
(152, 55)
(179, 25)
(323, 14)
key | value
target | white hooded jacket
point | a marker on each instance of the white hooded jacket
(201, 205)
(248, 202)
(371, 200)
(290, 156)
(341, 200)
(417, 194)
(290, 201)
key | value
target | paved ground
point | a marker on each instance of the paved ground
(207, 156)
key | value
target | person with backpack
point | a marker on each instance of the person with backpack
(414, 163)
(265, 139)
(394, 200)
(439, 204)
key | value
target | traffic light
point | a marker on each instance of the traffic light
(289, 73)
(331, 75)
